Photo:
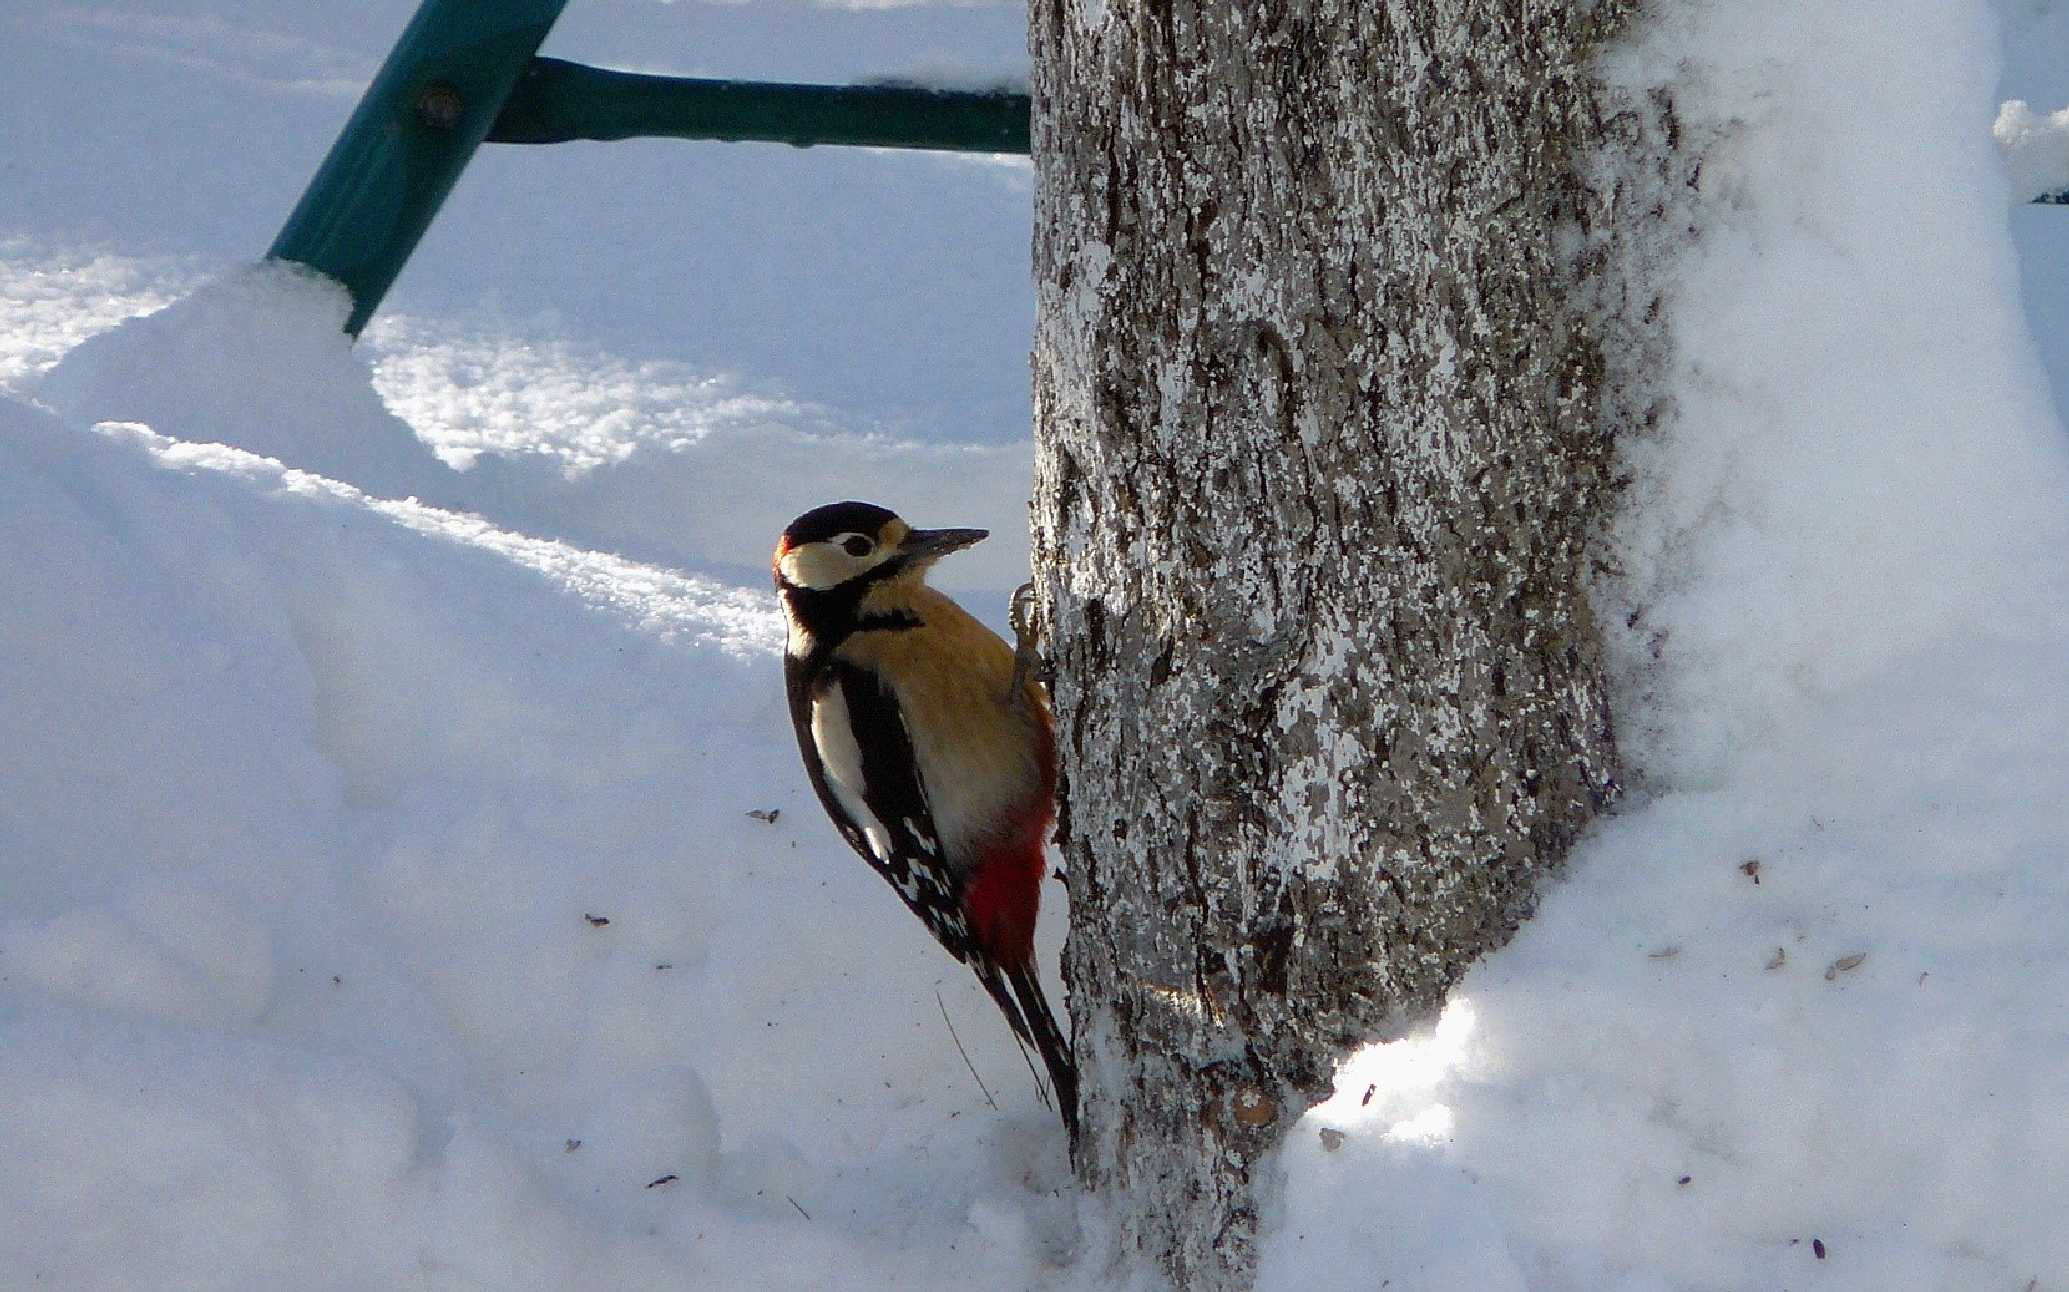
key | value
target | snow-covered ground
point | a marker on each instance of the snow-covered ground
(380, 903)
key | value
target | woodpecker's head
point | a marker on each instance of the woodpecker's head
(849, 545)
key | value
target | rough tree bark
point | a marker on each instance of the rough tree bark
(1322, 432)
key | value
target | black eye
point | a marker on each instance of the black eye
(856, 545)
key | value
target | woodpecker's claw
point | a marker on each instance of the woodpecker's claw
(1027, 645)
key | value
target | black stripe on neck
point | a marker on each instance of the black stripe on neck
(888, 621)
(831, 616)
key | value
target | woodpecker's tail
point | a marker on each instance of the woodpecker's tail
(1018, 991)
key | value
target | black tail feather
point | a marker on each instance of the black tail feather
(1050, 1042)
(1018, 991)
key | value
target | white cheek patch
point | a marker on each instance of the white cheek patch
(817, 566)
(839, 753)
(820, 566)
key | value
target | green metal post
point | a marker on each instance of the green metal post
(465, 72)
(556, 101)
(428, 109)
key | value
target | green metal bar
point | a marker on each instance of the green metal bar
(556, 101)
(428, 109)
(466, 71)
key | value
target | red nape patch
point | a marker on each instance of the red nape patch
(1006, 896)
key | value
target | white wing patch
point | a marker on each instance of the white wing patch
(889, 824)
(834, 735)
(925, 841)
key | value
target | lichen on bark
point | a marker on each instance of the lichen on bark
(1324, 425)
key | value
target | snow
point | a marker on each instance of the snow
(381, 725)
(2036, 149)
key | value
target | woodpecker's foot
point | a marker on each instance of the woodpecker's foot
(1027, 644)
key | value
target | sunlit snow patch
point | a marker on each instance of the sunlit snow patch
(670, 464)
(55, 298)
(1394, 1083)
(657, 601)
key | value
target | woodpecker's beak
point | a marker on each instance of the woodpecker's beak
(927, 544)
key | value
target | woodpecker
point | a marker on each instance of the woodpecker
(931, 751)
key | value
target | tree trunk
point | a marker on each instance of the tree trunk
(1322, 430)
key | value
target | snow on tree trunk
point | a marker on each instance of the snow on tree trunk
(1323, 426)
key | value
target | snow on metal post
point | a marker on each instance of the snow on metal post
(429, 107)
